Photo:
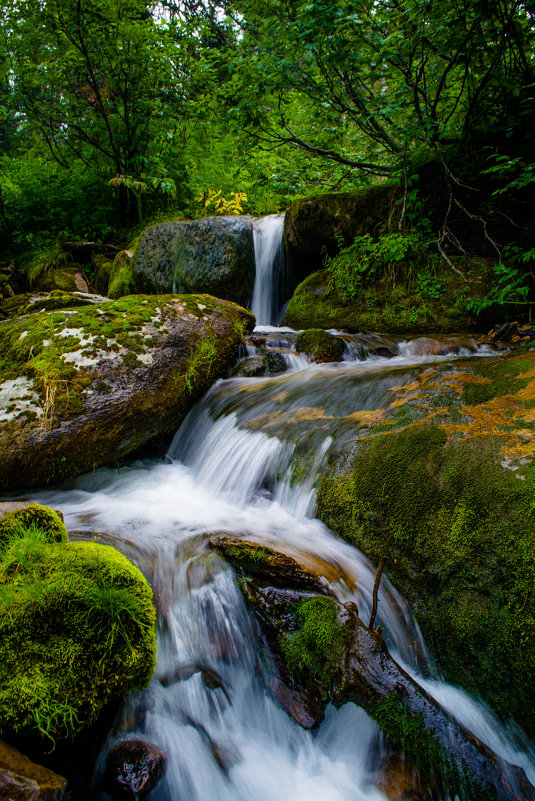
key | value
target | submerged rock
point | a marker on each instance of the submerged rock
(213, 255)
(84, 387)
(443, 485)
(77, 628)
(133, 768)
(24, 780)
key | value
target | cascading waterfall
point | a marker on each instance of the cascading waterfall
(269, 265)
(231, 468)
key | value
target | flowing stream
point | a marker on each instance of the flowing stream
(232, 468)
(246, 461)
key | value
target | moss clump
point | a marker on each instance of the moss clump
(312, 652)
(47, 520)
(77, 630)
(457, 529)
(502, 379)
(121, 280)
(319, 344)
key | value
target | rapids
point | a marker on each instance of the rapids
(246, 461)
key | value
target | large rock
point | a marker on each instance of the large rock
(77, 628)
(70, 278)
(442, 484)
(133, 768)
(214, 255)
(86, 386)
(414, 304)
(317, 225)
(24, 780)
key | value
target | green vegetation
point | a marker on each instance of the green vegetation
(313, 651)
(46, 520)
(457, 529)
(77, 628)
(323, 347)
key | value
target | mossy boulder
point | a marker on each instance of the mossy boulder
(77, 631)
(430, 302)
(70, 278)
(320, 345)
(214, 255)
(102, 267)
(33, 302)
(316, 225)
(443, 487)
(121, 279)
(48, 521)
(84, 387)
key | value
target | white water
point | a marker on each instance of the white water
(229, 469)
(267, 235)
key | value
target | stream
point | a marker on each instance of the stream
(246, 461)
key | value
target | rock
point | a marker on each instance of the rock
(24, 780)
(275, 362)
(121, 279)
(77, 628)
(70, 278)
(315, 225)
(213, 255)
(265, 564)
(84, 387)
(33, 302)
(102, 267)
(320, 345)
(133, 768)
(443, 485)
(250, 367)
(405, 307)
(329, 654)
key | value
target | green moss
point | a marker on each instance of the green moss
(121, 281)
(202, 359)
(77, 630)
(323, 347)
(457, 529)
(42, 517)
(313, 651)
(249, 559)
(502, 380)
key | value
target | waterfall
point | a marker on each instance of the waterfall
(269, 264)
(211, 706)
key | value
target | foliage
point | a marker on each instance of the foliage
(512, 287)
(77, 630)
(220, 204)
(368, 259)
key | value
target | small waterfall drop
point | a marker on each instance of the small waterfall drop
(270, 263)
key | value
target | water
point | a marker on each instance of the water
(270, 265)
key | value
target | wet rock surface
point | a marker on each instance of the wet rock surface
(24, 780)
(213, 255)
(86, 386)
(133, 768)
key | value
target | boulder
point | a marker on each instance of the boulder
(317, 225)
(410, 305)
(214, 255)
(320, 345)
(70, 278)
(77, 628)
(133, 768)
(24, 780)
(121, 279)
(84, 387)
(442, 484)
(32, 302)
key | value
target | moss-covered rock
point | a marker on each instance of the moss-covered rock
(32, 302)
(316, 225)
(421, 303)
(70, 278)
(48, 521)
(84, 387)
(443, 487)
(320, 345)
(121, 278)
(77, 631)
(102, 267)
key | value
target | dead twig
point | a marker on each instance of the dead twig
(376, 583)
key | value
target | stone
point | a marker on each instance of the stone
(133, 768)
(84, 387)
(213, 255)
(24, 780)
(70, 278)
(320, 345)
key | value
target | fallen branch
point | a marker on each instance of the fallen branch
(376, 583)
